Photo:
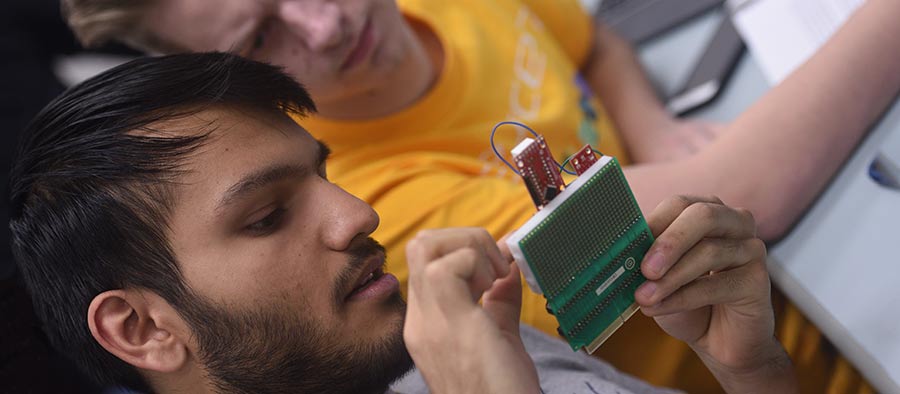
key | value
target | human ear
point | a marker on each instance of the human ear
(140, 328)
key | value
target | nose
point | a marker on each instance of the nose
(316, 22)
(346, 217)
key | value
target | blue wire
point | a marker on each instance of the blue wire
(568, 159)
(496, 152)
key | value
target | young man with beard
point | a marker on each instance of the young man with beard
(178, 233)
(408, 94)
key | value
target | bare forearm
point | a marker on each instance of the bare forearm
(617, 77)
(777, 156)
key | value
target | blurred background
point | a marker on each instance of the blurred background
(38, 53)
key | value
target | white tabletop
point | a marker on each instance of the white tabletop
(839, 264)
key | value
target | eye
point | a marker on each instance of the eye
(268, 224)
(259, 37)
(258, 41)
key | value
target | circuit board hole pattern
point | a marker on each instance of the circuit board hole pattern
(593, 310)
(555, 237)
(590, 287)
(583, 322)
(572, 289)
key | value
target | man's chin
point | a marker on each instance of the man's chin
(263, 351)
(393, 360)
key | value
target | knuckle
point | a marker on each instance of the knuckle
(736, 283)
(483, 234)
(704, 211)
(746, 214)
(435, 273)
(469, 254)
(759, 272)
(708, 199)
(474, 237)
(425, 234)
(731, 249)
(716, 253)
(667, 244)
(713, 250)
(415, 249)
(421, 245)
(682, 201)
(756, 248)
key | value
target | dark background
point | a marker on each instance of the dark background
(32, 36)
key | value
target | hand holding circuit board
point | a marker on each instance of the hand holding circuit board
(705, 283)
(585, 249)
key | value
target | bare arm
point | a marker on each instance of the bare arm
(649, 131)
(778, 155)
(614, 73)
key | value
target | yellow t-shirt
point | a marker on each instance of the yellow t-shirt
(431, 165)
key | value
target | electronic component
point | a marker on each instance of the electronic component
(583, 250)
(583, 159)
(539, 170)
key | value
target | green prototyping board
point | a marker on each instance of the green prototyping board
(583, 251)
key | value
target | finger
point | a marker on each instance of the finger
(709, 255)
(429, 245)
(503, 301)
(504, 248)
(746, 285)
(665, 213)
(458, 278)
(697, 221)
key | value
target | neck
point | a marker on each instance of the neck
(188, 379)
(406, 83)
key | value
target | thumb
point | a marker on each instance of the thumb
(503, 301)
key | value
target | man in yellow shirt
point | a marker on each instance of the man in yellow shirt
(407, 99)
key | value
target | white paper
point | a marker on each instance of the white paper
(783, 34)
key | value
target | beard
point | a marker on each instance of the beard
(267, 351)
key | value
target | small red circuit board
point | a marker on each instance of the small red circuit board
(538, 169)
(583, 160)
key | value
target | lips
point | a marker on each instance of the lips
(374, 270)
(364, 43)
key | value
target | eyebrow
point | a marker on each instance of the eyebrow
(267, 176)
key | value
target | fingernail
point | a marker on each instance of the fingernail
(654, 262)
(647, 289)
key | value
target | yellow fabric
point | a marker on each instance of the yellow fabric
(820, 367)
(431, 165)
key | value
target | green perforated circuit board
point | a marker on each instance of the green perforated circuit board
(583, 252)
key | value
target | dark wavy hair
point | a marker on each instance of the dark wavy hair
(90, 188)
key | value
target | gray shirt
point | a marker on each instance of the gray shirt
(561, 371)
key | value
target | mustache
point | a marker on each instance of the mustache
(357, 255)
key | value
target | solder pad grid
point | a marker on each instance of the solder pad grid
(584, 251)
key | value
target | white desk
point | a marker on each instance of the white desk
(840, 263)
